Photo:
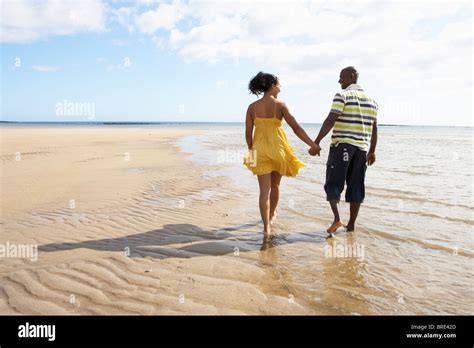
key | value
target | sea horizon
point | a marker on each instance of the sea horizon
(99, 123)
(183, 163)
(179, 197)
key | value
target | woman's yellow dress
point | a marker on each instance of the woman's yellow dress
(270, 149)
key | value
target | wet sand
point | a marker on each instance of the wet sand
(152, 220)
(125, 223)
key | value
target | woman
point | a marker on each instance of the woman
(270, 156)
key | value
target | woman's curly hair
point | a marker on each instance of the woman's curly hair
(262, 82)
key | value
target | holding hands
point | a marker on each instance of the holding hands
(314, 150)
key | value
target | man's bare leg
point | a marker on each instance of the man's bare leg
(354, 211)
(337, 220)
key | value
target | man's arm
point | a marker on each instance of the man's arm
(337, 108)
(373, 145)
(327, 126)
(249, 129)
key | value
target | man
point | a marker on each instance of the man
(353, 116)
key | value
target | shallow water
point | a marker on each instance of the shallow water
(412, 252)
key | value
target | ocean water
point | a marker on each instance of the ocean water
(413, 248)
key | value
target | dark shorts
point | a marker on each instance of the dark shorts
(346, 164)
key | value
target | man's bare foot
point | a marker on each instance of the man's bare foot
(349, 228)
(333, 228)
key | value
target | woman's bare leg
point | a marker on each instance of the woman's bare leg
(274, 194)
(264, 181)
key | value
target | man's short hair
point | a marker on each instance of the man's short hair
(352, 70)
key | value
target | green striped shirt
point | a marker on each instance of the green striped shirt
(357, 113)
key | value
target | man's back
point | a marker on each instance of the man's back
(357, 112)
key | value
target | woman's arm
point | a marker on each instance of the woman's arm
(249, 129)
(300, 132)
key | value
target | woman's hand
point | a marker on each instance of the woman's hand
(315, 150)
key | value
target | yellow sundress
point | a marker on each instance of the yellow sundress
(270, 149)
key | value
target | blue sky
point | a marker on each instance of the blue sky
(191, 61)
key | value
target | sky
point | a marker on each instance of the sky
(97, 60)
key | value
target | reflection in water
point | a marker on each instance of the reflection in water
(325, 274)
(342, 278)
(415, 226)
(268, 255)
(268, 242)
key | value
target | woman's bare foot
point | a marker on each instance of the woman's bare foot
(267, 242)
(267, 231)
(333, 228)
(273, 217)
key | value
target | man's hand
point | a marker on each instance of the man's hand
(315, 150)
(370, 158)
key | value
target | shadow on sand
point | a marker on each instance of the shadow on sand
(186, 240)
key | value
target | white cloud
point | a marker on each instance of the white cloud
(158, 41)
(408, 53)
(222, 84)
(45, 68)
(308, 34)
(120, 43)
(126, 64)
(26, 21)
(124, 16)
(416, 51)
(459, 32)
(146, 2)
(165, 16)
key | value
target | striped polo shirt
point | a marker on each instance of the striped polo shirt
(357, 112)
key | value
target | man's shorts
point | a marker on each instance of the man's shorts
(346, 163)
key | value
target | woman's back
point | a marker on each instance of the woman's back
(270, 156)
(268, 108)
(273, 153)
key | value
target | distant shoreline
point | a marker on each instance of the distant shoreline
(132, 123)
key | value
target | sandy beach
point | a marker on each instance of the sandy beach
(137, 220)
(212, 168)
(123, 225)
